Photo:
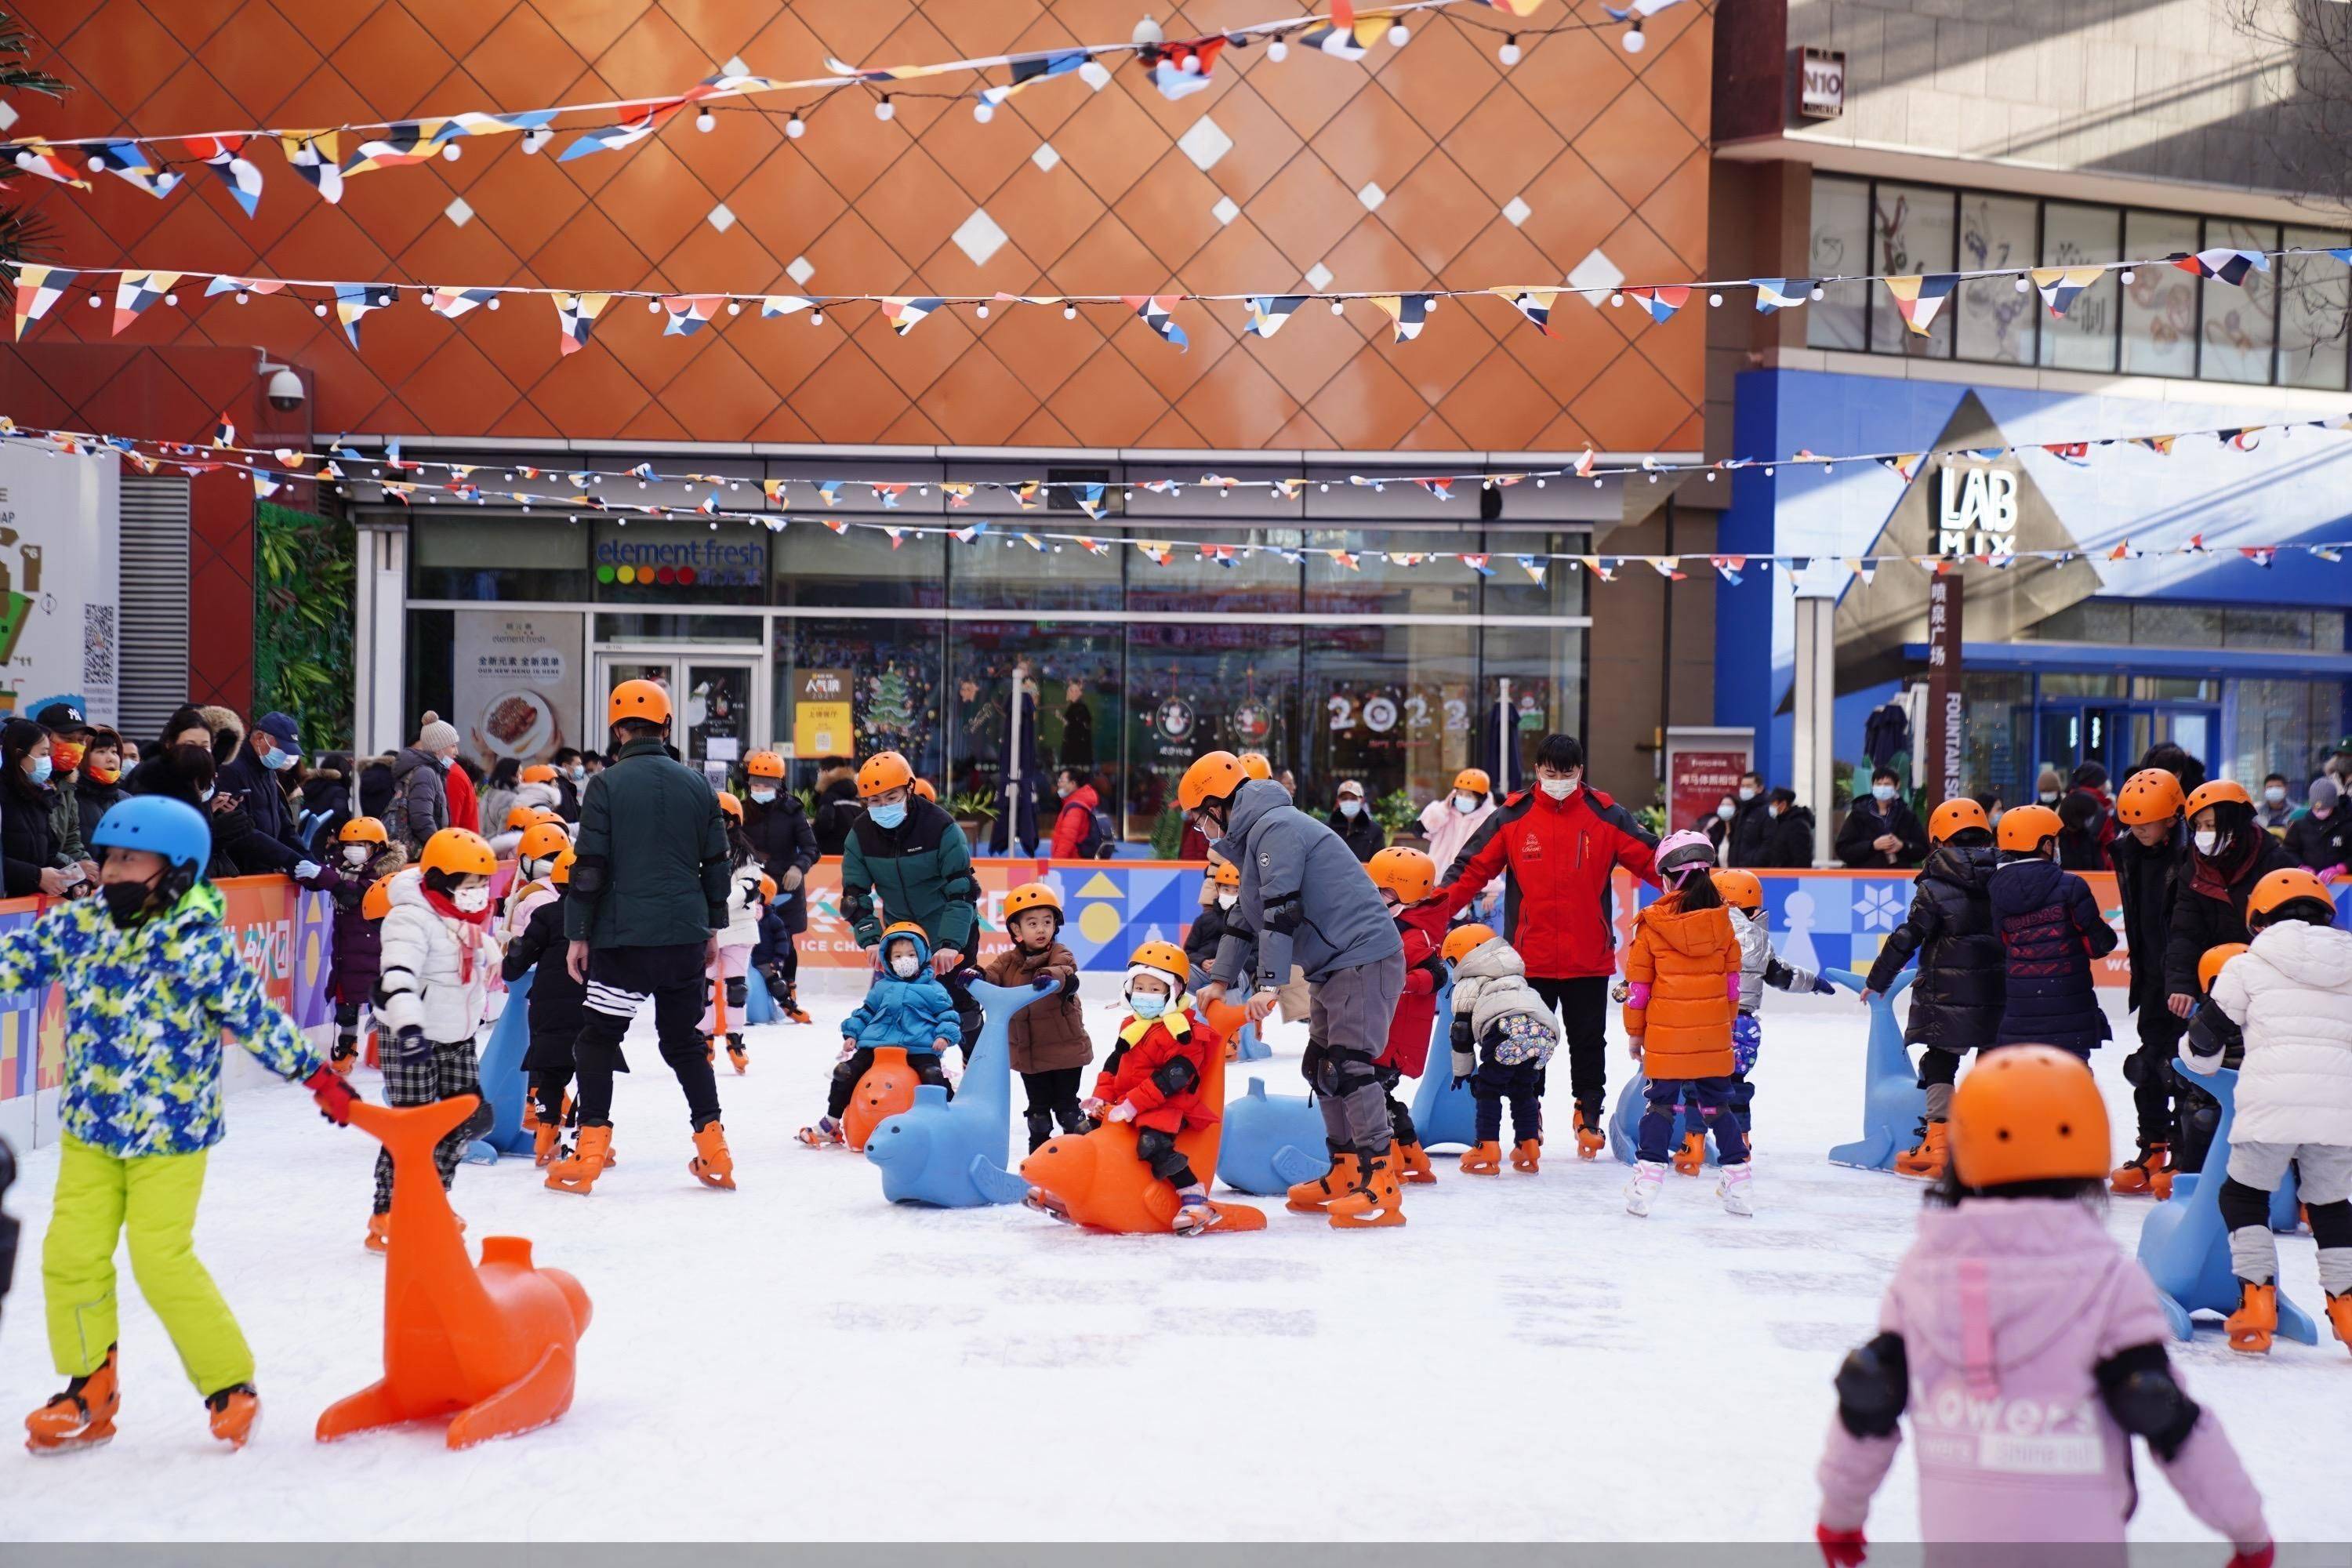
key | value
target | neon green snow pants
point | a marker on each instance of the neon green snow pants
(99, 1197)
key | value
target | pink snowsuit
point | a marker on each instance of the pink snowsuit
(2005, 1307)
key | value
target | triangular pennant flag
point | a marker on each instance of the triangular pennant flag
(1033, 542)
(689, 313)
(829, 490)
(224, 431)
(1025, 494)
(1669, 567)
(2228, 265)
(966, 534)
(1442, 489)
(1348, 38)
(1409, 311)
(353, 300)
(2061, 285)
(1779, 293)
(1729, 566)
(1154, 313)
(1866, 569)
(477, 123)
(38, 288)
(2327, 552)
(1919, 298)
(40, 158)
(130, 162)
(135, 291)
(311, 154)
(2121, 552)
(1479, 564)
(835, 523)
(1181, 69)
(776, 489)
(784, 305)
(225, 156)
(1904, 465)
(1347, 558)
(888, 495)
(643, 474)
(636, 125)
(1269, 311)
(903, 314)
(1158, 550)
(1093, 546)
(1583, 469)
(451, 303)
(224, 284)
(1035, 69)
(1535, 304)
(263, 487)
(2160, 445)
(959, 495)
(2076, 453)
(1662, 303)
(1534, 569)
(1090, 498)
(1288, 489)
(399, 491)
(2244, 440)
(2260, 555)
(402, 145)
(897, 535)
(575, 317)
(1597, 566)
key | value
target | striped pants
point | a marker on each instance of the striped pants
(620, 980)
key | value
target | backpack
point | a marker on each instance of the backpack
(1100, 837)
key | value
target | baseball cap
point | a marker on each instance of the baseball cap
(61, 718)
(282, 728)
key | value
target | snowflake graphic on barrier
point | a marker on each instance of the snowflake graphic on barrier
(1878, 907)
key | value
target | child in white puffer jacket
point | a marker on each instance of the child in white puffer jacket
(2291, 993)
(440, 953)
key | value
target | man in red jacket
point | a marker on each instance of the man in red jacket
(1558, 844)
(1075, 825)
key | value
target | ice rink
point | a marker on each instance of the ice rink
(801, 1360)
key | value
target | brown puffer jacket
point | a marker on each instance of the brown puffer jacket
(1050, 1033)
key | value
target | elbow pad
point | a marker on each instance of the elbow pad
(2140, 1393)
(1874, 1383)
(588, 878)
(1284, 915)
(1175, 1076)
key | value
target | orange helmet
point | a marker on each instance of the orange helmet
(1225, 874)
(731, 804)
(2023, 827)
(1740, 889)
(541, 839)
(2288, 885)
(1956, 817)
(361, 830)
(2151, 794)
(1256, 766)
(538, 772)
(376, 902)
(764, 765)
(561, 875)
(454, 852)
(1033, 896)
(642, 701)
(521, 816)
(1214, 775)
(541, 814)
(1475, 780)
(902, 928)
(2028, 1113)
(883, 771)
(2218, 792)
(925, 788)
(2209, 967)
(1164, 959)
(1462, 941)
(1407, 873)
(768, 888)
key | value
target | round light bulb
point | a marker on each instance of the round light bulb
(885, 109)
(652, 307)
(982, 311)
(1277, 51)
(452, 153)
(2021, 284)
(491, 304)
(2128, 276)
(166, 180)
(171, 299)
(1713, 301)
(1509, 53)
(795, 128)
(1616, 299)
(95, 302)
(315, 310)
(1398, 36)
(534, 141)
(816, 318)
(97, 164)
(242, 297)
(734, 307)
(1069, 312)
(1634, 42)
(1337, 308)
(1820, 292)
(984, 111)
(705, 121)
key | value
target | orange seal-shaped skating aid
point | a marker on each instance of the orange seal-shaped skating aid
(887, 1088)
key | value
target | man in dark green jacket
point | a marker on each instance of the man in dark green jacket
(910, 856)
(647, 900)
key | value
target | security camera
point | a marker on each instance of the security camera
(285, 391)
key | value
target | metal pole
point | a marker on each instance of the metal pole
(1666, 650)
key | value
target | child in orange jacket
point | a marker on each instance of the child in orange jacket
(1682, 975)
(1407, 880)
(1152, 1077)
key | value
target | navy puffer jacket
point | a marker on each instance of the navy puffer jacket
(2052, 927)
(1957, 1001)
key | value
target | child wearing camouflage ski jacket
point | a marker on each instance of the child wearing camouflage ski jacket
(152, 982)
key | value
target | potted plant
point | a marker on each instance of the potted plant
(973, 812)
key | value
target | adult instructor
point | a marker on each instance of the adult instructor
(908, 854)
(1558, 844)
(647, 899)
(1307, 896)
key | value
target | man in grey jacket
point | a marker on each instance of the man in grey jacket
(1310, 901)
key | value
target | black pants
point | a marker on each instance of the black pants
(968, 1014)
(1401, 1125)
(845, 1076)
(2149, 1069)
(1158, 1150)
(347, 1028)
(1582, 1004)
(1053, 1094)
(549, 1066)
(2195, 1117)
(1522, 1085)
(620, 980)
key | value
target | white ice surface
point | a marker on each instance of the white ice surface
(799, 1360)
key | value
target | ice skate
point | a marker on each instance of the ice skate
(345, 1056)
(1691, 1158)
(1194, 1212)
(1527, 1154)
(711, 1164)
(788, 1000)
(236, 1412)
(1046, 1204)
(2159, 1185)
(577, 1173)
(2339, 1317)
(1376, 1200)
(826, 1134)
(2138, 1176)
(80, 1418)
(1649, 1175)
(379, 1233)
(1412, 1165)
(1589, 1138)
(710, 1049)
(1345, 1176)
(738, 1055)
(2256, 1319)
(1926, 1161)
(546, 1141)
(1483, 1159)
(1738, 1190)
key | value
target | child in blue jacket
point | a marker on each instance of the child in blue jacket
(906, 1007)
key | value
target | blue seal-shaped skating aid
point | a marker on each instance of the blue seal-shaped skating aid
(1249, 1046)
(1271, 1142)
(2184, 1244)
(506, 1089)
(759, 1002)
(950, 1153)
(1625, 1122)
(1443, 1112)
(1891, 1101)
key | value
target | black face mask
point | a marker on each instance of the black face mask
(126, 902)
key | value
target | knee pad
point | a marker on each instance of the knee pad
(737, 991)
(1349, 1070)
(2135, 1071)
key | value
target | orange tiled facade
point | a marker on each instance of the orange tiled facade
(1432, 165)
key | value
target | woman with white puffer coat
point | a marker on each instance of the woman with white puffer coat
(1450, 824)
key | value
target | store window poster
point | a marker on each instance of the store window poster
(515, 682)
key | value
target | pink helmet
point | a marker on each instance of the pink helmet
(1683, 853)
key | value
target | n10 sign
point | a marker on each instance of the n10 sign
(1975, 509)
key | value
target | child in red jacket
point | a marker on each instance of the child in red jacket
(1407, 880)
(1153, 1076)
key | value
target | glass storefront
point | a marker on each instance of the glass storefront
(1385, 667)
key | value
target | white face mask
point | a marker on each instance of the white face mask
(1465, 803)
(2050, 798)
(2275, 795)
(473, 901)
(1351, 807)
(2208, 841)
(764, 795)
(1559, 789)
(1227, 901)
(1882, 791)
(1727, 811)
(355, 855)
(1745, 793)
(905, 965)
(1144, 1004)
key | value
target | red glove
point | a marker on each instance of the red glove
(1841, 1548)
(333, 1093)
(2259, 1558)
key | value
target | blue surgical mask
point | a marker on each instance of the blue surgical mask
(1148, 1006)
(1882, 793)
(887, 816)
(579, 775)
(41, 767)
(279, 761)
(1466, 804)
(1727, 811)
(764, 795)
(1351, 807)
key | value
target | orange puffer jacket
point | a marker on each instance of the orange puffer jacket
(1684, 969)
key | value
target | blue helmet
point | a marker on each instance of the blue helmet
(161, 825)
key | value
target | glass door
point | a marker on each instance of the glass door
(714, 701)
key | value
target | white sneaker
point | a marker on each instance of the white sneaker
(1738, 1190)
(1643, 1190)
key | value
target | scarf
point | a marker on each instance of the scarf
(472, 933)
(2214, 878)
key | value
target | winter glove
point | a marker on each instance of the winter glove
(305, 869)
(1460, 1037)
(1823, 987)
(792, 879)
(1434, 967)
(2327, 877)
(2260, 1557)
(410, 1044)
(1045, 983)
(1123, 1111)
(333, 1094)
(1843, 1548)
(1465, 1062)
